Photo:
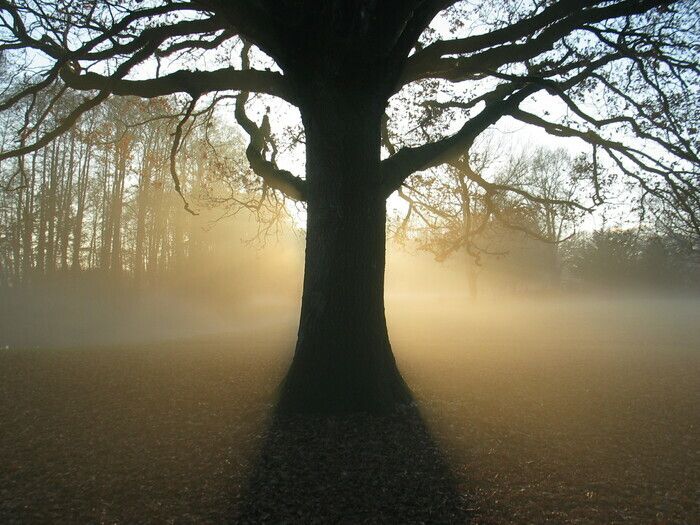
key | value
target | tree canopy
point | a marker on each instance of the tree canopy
(620, 76)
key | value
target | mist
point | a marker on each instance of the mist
(250, 287)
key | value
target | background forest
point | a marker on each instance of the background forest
(97, 206)
(100, 201)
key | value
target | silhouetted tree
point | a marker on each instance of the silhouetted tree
(608, 257)
(621, 68)
(456, 207)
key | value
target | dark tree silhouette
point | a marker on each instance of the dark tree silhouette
(625, 70)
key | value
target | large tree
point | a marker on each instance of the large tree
(625, 72)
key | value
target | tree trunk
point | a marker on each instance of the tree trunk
(50, 261)
(28, 223)
(141, 208)
(343, 360)
(83, 181)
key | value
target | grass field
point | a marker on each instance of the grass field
(577, 411)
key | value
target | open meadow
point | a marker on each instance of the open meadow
(529, 410)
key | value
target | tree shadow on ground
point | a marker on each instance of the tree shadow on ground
(350, 469)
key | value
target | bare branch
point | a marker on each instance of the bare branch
(174, 150)
(279, 179)
(183, 81)
(558, 21)
(408, 160)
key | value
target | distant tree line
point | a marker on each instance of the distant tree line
(523, 244)
(100, 197)
(618, 258)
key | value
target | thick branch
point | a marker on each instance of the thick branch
(522, 29)
(192, 82)
(279, 179)
(406, 161)
(432, 63)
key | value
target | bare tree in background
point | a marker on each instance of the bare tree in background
(625, 70)
(555, 176)
(102, 200)
(455, 208)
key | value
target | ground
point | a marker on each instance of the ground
(576, 411)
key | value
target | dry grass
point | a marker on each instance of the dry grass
(578, 412)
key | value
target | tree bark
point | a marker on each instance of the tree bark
(343, 360)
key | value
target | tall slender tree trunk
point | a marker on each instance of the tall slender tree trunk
(83, 180)
(117, 207)
(50, 261)
(16, 226)
(141, 209)
(343, 359)
(67, 204)
(41, 233)
(28, 225)
(106, 223)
